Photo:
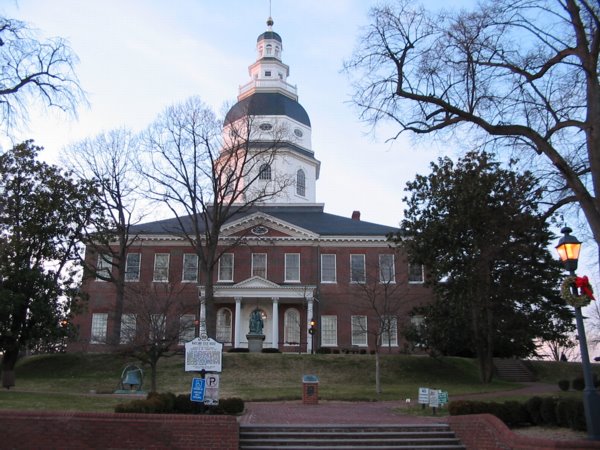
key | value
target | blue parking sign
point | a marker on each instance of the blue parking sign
(198, 385)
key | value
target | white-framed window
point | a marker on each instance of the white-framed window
(161, 267)
(389, 331)
(357, 269)
(264, 172)
(301, 183)
(224, 326)
(187, 328)
(359, 330)
(269, 49)
(387, 270)
(158, 327)
(132, 267)
(329, 331)
(190, 268)
(291, 327)
(328, 268)
(103, 267)
(128, 328)
(292, 267)
(415, 273)
(259, 265)
(226, 267)
(99, 327)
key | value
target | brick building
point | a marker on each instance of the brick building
(294, 263)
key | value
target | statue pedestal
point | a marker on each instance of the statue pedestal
(255, 342)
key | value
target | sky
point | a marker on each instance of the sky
(138, 57)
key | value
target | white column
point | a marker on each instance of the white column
(309, 317)
(238, 319)
(275, 320)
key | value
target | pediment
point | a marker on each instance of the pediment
(256, 283)
(262, 225)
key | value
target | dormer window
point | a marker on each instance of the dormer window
(265, 172)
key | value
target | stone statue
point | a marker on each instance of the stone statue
(256, 322)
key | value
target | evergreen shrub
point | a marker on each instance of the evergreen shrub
(168, 403)
(578, 383)
(564, 385)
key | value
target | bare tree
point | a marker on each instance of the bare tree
(107, 159)
(560, 349)
(206, 174)
(384, 301)
(154, 324)
(34, 71)
(522, 72)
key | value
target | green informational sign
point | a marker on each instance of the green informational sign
(443, 397)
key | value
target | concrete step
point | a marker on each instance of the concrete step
(290, 437)
(511, 369)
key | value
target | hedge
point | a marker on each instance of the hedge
(550, 411)
(169, 403)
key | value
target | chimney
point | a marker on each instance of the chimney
(355, 215)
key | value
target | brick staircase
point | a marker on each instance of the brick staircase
(511, 369)
(322, 437)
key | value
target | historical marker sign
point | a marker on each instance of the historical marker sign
(203, 354)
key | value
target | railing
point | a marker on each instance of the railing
(266, 84)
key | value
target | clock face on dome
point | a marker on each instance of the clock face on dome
(298, 132)
(260, 230)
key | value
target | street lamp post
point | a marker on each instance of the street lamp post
(568, 249)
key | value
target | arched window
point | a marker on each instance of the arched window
(224, 326)
(265, 172)
(269, 49)
(291, 327)
(300, 183)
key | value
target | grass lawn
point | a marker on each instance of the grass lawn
(65, 381)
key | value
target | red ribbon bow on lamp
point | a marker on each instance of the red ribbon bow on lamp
(584, 284)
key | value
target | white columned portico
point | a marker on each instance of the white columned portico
(275, 323)
(309, 317)
(238, 314)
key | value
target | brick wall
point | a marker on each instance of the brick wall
(487, 432)
(64, 430)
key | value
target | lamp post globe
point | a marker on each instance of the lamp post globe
(568, 249)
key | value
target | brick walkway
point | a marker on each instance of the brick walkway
(334, 412)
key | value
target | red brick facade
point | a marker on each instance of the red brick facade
(311, 296)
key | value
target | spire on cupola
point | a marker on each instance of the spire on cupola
(268, 73)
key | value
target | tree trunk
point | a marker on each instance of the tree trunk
(211, 314)
(377, 373)
(153, 375)
(9, 360)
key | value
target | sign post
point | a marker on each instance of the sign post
(204, 355)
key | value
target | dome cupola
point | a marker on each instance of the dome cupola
(268, 107)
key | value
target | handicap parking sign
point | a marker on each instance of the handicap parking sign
(198, 388)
